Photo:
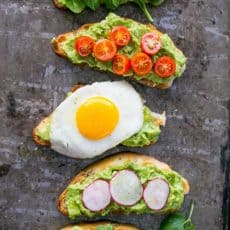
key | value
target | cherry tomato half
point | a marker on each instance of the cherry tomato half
(121, 64)
(150, 43)
(165, 66)
(141, 63)
(84, 45)
(104, 50)
(120, 35)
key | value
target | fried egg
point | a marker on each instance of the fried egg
(96, 118)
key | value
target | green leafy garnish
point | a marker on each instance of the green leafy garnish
(178, 221)
(93, 5)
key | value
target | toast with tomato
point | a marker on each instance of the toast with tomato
(125, 183)
(105, 225)
(126, 48)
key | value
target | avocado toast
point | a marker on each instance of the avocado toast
(149, 57)
(105, 225)
(167, 189)
(148, 133)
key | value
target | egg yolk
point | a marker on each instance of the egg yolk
(97, 117)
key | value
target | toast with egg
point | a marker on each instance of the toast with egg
(62, 43)
(100, 225)
(179, 186)
(135, 124)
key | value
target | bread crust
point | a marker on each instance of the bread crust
(115, 160)
(57, 42)
(36, 138)
(91, 226)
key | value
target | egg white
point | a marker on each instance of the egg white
(64, 135)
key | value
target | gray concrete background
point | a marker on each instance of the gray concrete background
(33, 81)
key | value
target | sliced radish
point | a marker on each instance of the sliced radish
(126, 188)
(156, 193)
(96, 196)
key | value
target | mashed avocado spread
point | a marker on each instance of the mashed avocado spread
(148, 133)
(101, 30)
(99, 227)
(74, 192)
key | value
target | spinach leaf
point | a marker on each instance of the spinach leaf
(156, 2)
(112, 4)
(178, 221)
(77, 6)
(92, 4)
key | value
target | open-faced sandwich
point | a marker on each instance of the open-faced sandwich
(97, 117)
(100, 226)
(124, 183)
(126, 48)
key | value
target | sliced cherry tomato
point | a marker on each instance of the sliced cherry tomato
(104, 50)
(120, 35)
(121, 64)
(141, 63)
(84, 45)
(165, 66)
(150, 43)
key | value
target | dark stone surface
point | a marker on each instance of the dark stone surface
(33, 81)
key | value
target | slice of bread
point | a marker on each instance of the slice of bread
(115, 160)
(92, 226)
(59, 40)
(158, 119)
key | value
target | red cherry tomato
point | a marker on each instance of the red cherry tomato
(150, 43)
(84, 45)
(165, 66)
(120, 35)
(121, 64)
(141, 63)
(104, 50)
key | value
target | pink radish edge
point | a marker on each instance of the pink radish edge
(109, 194)
(143, 197)
(112, 197)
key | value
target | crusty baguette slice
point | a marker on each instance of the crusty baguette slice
(58, 41)
(115, 160)
(159, 119)
(92, 226)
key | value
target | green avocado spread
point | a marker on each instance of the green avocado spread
(101, 30)
(76, 208)
(99, 227)
(148, 133)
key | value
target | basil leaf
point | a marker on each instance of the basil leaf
(77, 6)
(156, 2)
(112, 4)
(189, 226)
(173, 222)
(92, 4)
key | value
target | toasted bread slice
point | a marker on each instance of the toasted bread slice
(93, 226)
(59, 41)
(115, 160)
(158, 119)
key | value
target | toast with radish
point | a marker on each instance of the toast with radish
(100, 226)
(126, 48)
(124, 183)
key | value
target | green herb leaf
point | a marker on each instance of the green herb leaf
(112, 4)
(156, 2)
(92, 4)
(77, 6)
(142, 5)
(173, 222)
(178, 221)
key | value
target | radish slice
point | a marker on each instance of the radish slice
(156, 193)
(126, 188)
(96, 196)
